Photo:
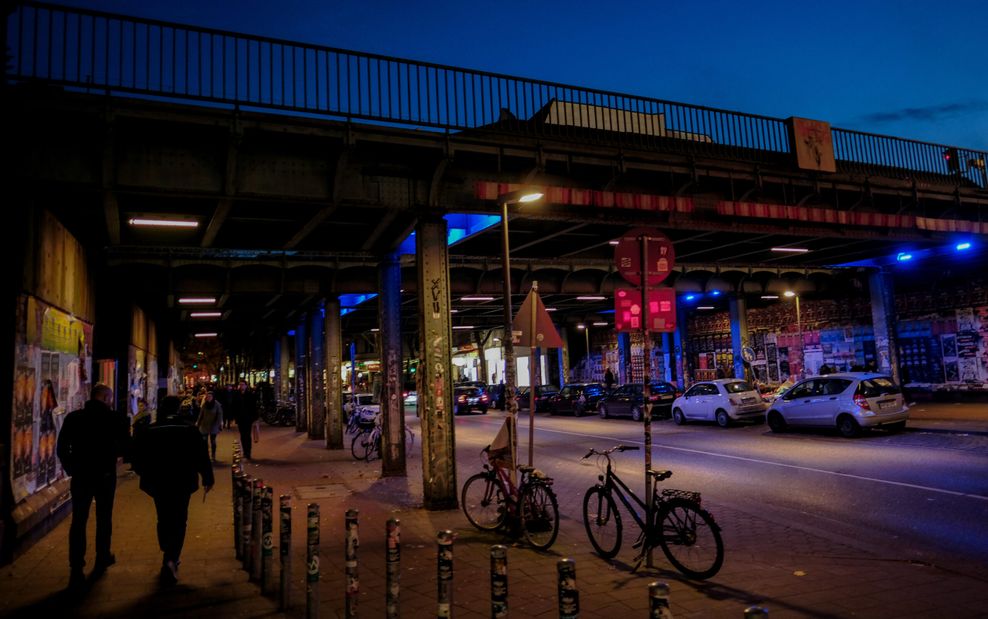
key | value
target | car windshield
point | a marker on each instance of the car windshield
(663, 388)
(738, 387)
(874, 387)
(468, 391)
(365, 400)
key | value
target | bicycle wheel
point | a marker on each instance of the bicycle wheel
(603, 522)
(483, 502)
(373, 445)
(539, 515)
(359, 445)
(690, 539)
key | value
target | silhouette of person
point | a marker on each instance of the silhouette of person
(170, 457)
(91, 440)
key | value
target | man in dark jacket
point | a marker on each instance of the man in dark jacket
(244, 411)
(91, 440)
(170, 456)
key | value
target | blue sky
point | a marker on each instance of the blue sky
(911, 68)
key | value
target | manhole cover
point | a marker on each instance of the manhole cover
(324, 491)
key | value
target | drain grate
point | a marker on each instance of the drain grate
(324, 491)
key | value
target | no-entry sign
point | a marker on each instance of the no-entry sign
(660, 254)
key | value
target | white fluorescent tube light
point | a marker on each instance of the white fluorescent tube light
(163, 223)
(191, 300)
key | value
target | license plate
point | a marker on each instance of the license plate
(886, 405)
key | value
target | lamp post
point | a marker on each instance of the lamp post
(799, 329)
(520, 196)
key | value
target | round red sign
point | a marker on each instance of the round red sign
(659, 252)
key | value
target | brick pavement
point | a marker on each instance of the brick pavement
(791, 571)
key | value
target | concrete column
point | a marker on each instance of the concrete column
(282, 361)
(624, 357)
(884, 323)
(435, 397)
(392, 403)
(679, 340)
(564, 358)
(317, 361)
(276, 359)
(333, 350)
(301, 374)
(737, 307)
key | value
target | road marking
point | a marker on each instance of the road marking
(779, 464)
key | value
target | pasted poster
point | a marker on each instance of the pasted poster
(52, 357)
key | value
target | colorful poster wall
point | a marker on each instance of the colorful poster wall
(52, 369)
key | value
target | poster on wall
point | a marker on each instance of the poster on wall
(52, 362)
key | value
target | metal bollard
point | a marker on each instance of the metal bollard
(255, 531)
(238, 507)
(267, 541)
(755, 612)
(350, 557)
(569, 596)
(391, 609)
(658, 601)
(499, 582)
(312, 563)
(246, 521)
(285, 550)
(444, 573)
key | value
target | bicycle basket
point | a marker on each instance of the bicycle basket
(672, 493)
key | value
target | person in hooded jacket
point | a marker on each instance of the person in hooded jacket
(170, 457)
(210, 421)
(91, 440)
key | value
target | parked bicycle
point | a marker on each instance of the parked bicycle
(491, 501)
(366, 443)
(278, 413)
(687, 534)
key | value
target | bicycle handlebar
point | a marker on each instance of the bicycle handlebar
(594, 452)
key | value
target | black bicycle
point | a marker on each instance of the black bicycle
(687, 534)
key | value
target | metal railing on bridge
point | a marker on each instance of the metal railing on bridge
(101, 52)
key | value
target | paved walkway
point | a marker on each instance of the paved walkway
(792, 572)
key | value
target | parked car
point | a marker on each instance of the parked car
(543, 395)
(628, 401)
(576, 399)
(467, 399)
(722, 400)
(848, 401)
(364, 404)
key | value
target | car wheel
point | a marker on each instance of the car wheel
(603, 411)
(636, 413)
(776, 422)
(723, 419)
(483, 411)
(578, 411)
(847, 426)
(677, 417)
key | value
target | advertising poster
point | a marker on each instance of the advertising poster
(51, 377)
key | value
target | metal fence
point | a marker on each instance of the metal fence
(102, 52)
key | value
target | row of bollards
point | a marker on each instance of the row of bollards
(254, 546)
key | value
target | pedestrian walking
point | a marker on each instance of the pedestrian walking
(244, 414)
(210, 421)
(91, 440)
(170, 457)
(609, 379)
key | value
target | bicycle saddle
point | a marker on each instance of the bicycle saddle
(660, 475)
(524, 468)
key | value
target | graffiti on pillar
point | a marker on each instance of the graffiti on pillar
(436, 306)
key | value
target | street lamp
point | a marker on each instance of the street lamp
(789, 294)
(586, 333)
(521, 196)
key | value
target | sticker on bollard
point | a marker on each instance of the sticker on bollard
(351, 545)
(569, 597)
(393, 530)
(499, 582)
(658, 601)
(444, 573)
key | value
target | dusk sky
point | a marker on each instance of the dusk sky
(905, 68)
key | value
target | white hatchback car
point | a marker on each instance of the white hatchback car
(848, 401)
(723, 400)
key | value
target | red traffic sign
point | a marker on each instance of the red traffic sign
(659, 316)
(628, 256)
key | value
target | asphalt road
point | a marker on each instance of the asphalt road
(922, 496)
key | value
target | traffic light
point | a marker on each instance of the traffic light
(195, 366)
(952, 159)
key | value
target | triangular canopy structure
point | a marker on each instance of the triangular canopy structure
(546, 335)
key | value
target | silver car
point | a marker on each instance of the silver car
(723, 400)
(848, 401)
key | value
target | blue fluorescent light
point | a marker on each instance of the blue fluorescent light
(292, 332)
(349, 302)
(459, 226)
(904, 257)
(963, 246)
(690, 297)
(716, 293)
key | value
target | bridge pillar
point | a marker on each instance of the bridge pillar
(435, 397)
(737, 307)
(884, 323)
(680, 337)
(301, 378)
(624, 358)
(334, 378)
(317, 359)
(282, 356)
(392, 403)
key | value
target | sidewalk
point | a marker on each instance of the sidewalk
(954, 417)
(792, 572)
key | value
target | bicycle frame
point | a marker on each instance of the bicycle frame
(616, 486)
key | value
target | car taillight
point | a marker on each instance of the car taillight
(404, 394)
(462, 398)
(483, 398)
(734, 402)
(861, 401)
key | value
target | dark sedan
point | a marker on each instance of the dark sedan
(628, 401)
(467, 399)
(577, 399)
(543, 396)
